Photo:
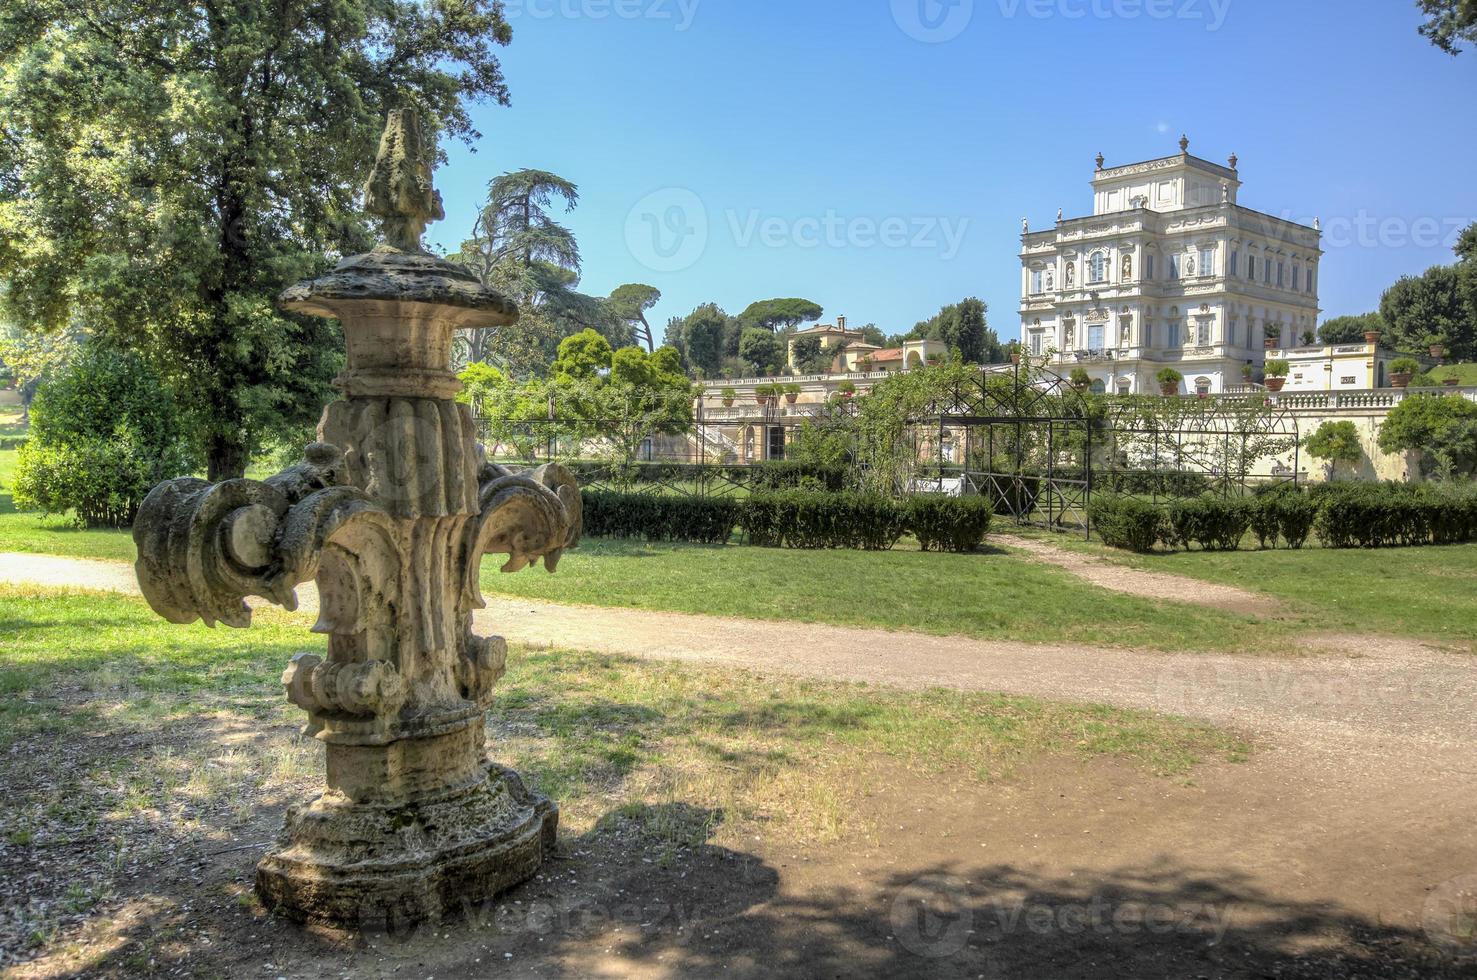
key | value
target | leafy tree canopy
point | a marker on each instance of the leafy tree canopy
(761, 350)
(582, 356)
(630, 303)
(1351, 329)
(1439, 306)
(776, 314)
(167, 168)
(1443, 428)
(1450, 23)
(1337, 442)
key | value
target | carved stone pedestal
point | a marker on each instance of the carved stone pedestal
(391, 513)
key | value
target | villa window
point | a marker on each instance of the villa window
(1036, 342)
(1207, 261)
(1280, 270)
(1036, 281)
(1310, 281)
(1174, 266)
(1251, 268)
(1267, 271)
(1097, 267)
(1297, 278)
(1148, 267)
(1235, 264)
(1095, 337)
(1173, 340)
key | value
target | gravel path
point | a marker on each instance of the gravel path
(1368, 701)
(1134, 581)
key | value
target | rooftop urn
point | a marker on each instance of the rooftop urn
(390, 511)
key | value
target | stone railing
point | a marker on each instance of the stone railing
(1363, 398)
(718, 384)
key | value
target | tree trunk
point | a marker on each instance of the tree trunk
(226, 457)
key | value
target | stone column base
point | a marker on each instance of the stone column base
(393, 865)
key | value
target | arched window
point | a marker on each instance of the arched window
(1097, 267)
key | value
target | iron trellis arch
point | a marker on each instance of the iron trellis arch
(1023, 436)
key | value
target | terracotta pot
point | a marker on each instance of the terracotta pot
(1400, 380)
(791, 397)
(1275, 384)
(1169, 390)
(1437, 351)
(1451, 382)
(728, 403)
(1372, 336)
(1270, 343)
(761, 400)
(1015, 358)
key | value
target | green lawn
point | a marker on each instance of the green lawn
(1466, 372)
(1428, 592)
(988, 595)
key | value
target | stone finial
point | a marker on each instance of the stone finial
(1100, 161)
(1184, 143)
(1317, 224)
(1225, 193)
(1233, 161)
(399, 190)
(1025, 226)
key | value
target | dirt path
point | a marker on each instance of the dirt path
(1342, 848)
(1364, 697)
(1134, 581)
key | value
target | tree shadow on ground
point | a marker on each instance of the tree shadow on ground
(646, 891)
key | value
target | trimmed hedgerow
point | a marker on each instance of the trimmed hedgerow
(1125, 522)
(943, 523)
(657, 517)
(1393, 515)
(1214, 523)
(807, 519)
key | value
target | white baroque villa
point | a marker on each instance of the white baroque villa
(1168, 271)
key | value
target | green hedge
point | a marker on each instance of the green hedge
(769, 475)
(943, 523)
(658, 517)
(792, 519)
(1125, 522)
(1349, 515)
(1214, 523)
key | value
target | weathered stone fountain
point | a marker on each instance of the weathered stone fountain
(391, 512)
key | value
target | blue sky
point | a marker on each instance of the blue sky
(877, 156)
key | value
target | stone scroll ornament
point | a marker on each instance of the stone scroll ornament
(391, 513)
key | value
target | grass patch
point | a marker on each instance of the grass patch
(987, 595)
(1428, 593)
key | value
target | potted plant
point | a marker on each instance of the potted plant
(792, 392)
(728, 395)
(1372, 337)
(1309, 338)
(865, 363)
(1080, 379)
(1271, 335)
(847, 390)
(1276, 374)
(1169, 382)
(1246, 373)
(1436, 345)
(1451, 379)
(762, 394)
(1402, 369)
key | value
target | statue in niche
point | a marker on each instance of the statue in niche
(1071, 274)
(1127, 267)
(1189, 265)
(1050, 279)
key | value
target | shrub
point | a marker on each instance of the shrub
(1405, 365)
(658, 517)
(1080, 378)
(943, 523)
(104, 432)
(1276, 368)
(1168, 376)
(1126, 522)
(728, 394)
(1337, 442)
(1442, 427)
(1393, 514)
(1283, 511)
(804, 519)
(1214, 523)
(787, 474)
